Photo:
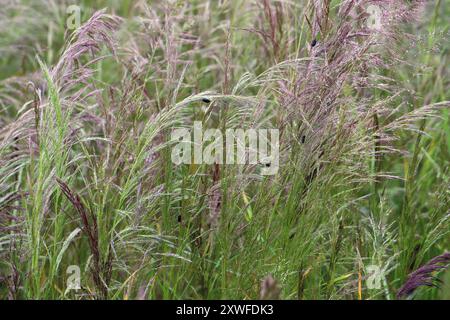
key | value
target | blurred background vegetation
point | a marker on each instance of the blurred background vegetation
(286, 235)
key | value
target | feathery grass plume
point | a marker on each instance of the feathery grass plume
(326, 116)
(163, 43)
(270, 289)
(69, 86)
(101, 270)
(271, 27)
(424, 276)
(62, 89)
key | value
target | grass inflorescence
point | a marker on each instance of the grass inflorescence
(359, 207)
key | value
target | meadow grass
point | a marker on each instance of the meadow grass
(359, 207)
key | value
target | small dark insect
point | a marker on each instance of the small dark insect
(303, 139)
(313, 43)
(206, 100)
(179, 218)
(267, 164)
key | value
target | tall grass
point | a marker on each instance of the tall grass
(87, 180)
